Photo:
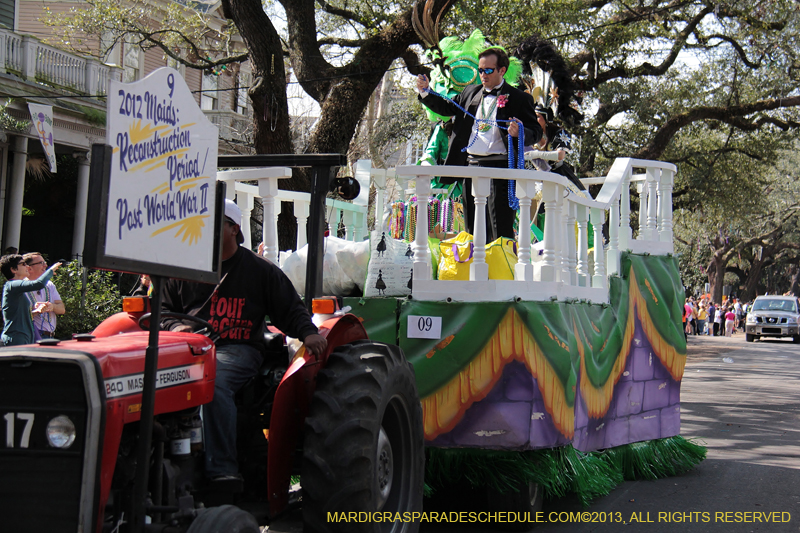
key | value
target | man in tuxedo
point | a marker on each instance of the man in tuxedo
(487, 146)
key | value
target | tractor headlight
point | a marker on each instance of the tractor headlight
(61, 432)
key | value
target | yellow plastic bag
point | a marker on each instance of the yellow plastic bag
(501, 256)
(456, 256)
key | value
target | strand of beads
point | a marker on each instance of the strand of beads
(412, 222)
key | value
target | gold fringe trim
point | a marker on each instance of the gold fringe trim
(445, 408)
(673, 361)
(598, 399)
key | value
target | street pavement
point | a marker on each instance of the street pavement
(742, 401)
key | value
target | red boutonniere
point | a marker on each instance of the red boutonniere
(502, 100)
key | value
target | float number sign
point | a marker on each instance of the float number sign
(424, 327)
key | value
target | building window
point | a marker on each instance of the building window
(209, 99)
(241, 94)
(131, 62)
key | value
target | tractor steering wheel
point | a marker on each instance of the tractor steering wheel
(168, 314)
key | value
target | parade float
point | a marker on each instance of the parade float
(561, 376)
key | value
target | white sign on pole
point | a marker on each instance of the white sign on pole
(163, 172)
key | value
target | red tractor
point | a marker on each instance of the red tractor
(76, 423)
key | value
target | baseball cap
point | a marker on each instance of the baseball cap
(234, 214)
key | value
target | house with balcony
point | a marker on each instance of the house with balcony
(44, 211)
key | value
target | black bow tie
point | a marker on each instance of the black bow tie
(493, 92)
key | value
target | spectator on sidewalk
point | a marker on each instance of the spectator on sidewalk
(719, 320)
(730, 321)
(702, 317)
(46, 302)
(17, 323)
(712, 313)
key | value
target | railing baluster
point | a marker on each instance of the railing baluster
(625, 233)
(599, 272)
(422, 255)
(642, 190)
(569, 228)
(301, 212)
(548, 272)
(583, 246)
(665, 204)
(268, 190)
(653, 175)
(523, 270)
(613, 237)
(479, 270)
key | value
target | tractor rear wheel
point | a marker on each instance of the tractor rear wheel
(363, 447)
(224, 519)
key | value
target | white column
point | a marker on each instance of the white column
(599, 274)
(625, 233)
(245, 202)
(16, 192)
(81, 205)
(380, 197)
(559, 244)
(571, 250)
(523, 270)
(349, 224)
(583, 246)
(479, 270)
(642, 190)
(268, 190)
(359, 226)
(613, 238)
(665, 206)
(653, 175)
(301, 213)
(550, 234)
(422, 255)
(4, 177)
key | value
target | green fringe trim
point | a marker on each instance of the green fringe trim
(656, 458)
(560, 471)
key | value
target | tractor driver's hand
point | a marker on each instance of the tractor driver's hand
(315, 344)
(183, 328)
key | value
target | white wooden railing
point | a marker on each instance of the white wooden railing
(33, 60)
(352, 215)
(564, 268)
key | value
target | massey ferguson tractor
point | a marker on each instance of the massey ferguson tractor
(99, 435)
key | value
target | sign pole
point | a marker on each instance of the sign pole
(139, 510)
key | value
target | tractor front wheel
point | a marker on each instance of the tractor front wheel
(363, 447)
(224, 519)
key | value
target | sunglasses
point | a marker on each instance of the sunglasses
(37, 263)
(486, 70)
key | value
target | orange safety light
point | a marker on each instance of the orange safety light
(323, 306)
(134, 304)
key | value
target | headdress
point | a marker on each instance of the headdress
(547, 79)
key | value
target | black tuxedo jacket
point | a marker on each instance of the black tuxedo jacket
(520, 105)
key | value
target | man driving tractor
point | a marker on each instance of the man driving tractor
(251, 288)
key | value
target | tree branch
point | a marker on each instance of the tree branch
(729, 115)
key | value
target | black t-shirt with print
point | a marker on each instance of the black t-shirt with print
(251, 289)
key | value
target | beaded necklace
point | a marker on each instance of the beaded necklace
(517, 161)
